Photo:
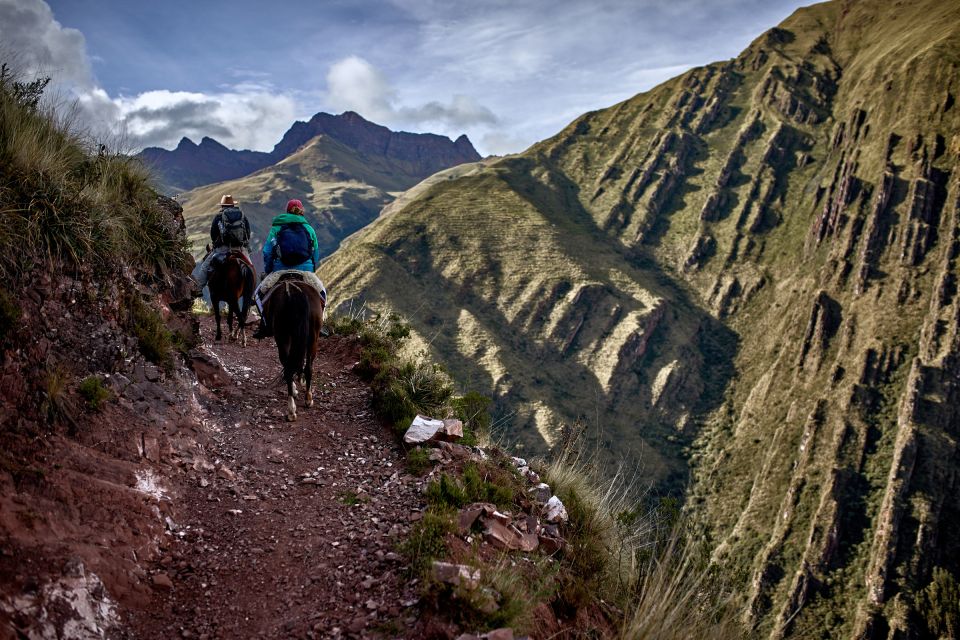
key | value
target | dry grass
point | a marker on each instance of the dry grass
(67, 199)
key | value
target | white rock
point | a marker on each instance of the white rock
(518, 462)
(422, 430)
(554, 511)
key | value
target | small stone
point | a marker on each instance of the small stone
(554, 511)
(162, 582)
(456, 574)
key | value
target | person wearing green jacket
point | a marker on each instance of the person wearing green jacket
(290, 245)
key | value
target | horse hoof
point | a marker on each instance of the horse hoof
(291, 417)
(309, 402)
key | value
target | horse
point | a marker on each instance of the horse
(293, 309)
(232, 279)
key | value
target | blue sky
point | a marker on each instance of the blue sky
(506, 73)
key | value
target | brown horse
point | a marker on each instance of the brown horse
(294, 310)
(233, 281)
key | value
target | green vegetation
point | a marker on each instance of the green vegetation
(155, 340)
(94, 392)
(57, 406)
(428, 539)
(418, 461)
(403, 387)
(485, 481)
(939, 605)
(66, 200)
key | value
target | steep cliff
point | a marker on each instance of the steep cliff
(757, 258)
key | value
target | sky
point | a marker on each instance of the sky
(505, 72)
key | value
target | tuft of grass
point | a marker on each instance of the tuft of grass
(418, 461)
(57, 407)
(412, 388)
(428, 539)
(94, 392)
(155, 341)
(402, 387)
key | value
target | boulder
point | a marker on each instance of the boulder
(554, 511)
(423, 430)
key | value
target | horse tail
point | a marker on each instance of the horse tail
(299, 313)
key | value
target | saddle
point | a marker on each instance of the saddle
(269, 282)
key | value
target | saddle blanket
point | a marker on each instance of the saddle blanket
(309, 277)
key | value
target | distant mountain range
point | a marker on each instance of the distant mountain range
(343, 167)
(418, 155)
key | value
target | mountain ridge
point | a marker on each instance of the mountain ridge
(190, 165)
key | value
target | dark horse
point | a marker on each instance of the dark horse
(294, 310)
(232, 280)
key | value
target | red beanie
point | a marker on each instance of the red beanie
(294, 206)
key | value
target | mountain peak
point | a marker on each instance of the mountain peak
(186, 143)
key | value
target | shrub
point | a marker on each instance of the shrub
(412, 388)
(94, 392)
(479, 482)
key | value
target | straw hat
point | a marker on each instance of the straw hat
(228, 201)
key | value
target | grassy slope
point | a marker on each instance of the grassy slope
(799, 472)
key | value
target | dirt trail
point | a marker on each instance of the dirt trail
(264, 550)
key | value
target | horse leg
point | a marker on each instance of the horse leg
(230, 332)
(308, 368)
(216, 315)
(291, 402)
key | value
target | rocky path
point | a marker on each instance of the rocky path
(289, 530)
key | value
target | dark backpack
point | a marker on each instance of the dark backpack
(294, 244)
(233, 230)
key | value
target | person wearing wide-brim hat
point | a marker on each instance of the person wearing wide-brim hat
(230, 230)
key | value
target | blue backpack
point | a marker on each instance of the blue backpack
(294, 244)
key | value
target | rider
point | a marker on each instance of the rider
(290, 245)
(230, 230)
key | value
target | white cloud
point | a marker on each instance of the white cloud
(355, 84)
(239, 119)
(41, 46)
